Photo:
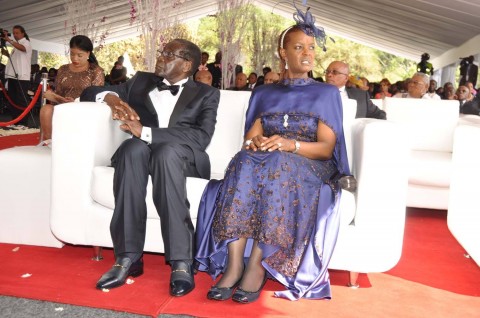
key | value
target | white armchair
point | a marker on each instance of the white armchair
(371, 233)
(428, 126)
(463, 217)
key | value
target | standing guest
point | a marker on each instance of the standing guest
(272, 78)
(266, 69)
(118, 74)
(424, 66)
(337, 73)
(468, 71)
(17, 71)
(279, 191)
(203, 62)
(35, 77)
(215, 69)
(384, 89)
(417, 86)
(204, 77)
(171, 119)
(432, 91)
(71, 80)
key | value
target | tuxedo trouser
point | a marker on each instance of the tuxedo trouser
(168, 164)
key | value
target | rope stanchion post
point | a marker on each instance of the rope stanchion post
(44, 82)
(26, 110)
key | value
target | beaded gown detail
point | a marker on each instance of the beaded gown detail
(286, 202)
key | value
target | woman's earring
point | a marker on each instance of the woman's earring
(286, 64)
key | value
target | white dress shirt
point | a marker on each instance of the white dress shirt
(163, 101)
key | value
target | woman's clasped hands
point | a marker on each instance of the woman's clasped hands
(271, 143)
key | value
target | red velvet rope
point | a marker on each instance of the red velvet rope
(26, 110)
(5, 92)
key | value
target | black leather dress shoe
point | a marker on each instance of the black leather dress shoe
(119, 273)
(181, 278)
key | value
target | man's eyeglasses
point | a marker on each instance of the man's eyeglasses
(416, 83)
(334, 72)
(170, 55)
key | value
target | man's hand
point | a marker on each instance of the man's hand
(120, 109)
(132, 126)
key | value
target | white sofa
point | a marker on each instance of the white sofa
(25, 196)
(463, 217)
(428, 126)
(371, 234)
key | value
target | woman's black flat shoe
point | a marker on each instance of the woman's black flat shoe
(246, 297)
(222, 293)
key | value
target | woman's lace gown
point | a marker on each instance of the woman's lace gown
(285, 201)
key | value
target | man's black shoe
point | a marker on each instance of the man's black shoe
(119, 273)
(181, 278)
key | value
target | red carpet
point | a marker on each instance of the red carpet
(68, 275)
(431, 255)
(19, 140)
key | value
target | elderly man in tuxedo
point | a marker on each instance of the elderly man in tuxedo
(337, 74)
(171, 119)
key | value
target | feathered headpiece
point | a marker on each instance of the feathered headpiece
(306, 22)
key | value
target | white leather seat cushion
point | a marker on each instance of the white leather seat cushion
(430, 168)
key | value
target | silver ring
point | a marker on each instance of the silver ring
(279, 144)
(248, 142)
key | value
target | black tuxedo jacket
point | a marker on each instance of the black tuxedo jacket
(365, 107)
(471, 107)
(193, 119)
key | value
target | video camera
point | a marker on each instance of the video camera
(2, 38)
(466, 60)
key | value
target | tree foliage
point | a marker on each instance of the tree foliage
(258, 48)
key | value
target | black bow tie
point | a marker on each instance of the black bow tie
(172, 88)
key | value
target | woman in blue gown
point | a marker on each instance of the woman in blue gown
(277, 207)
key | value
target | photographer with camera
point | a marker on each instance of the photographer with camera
(17, 71)
(468, 71)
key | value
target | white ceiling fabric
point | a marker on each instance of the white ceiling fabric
(406, 28)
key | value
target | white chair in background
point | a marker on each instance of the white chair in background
(463, 217)
(428, 127)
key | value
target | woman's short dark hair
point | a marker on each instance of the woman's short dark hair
(190, 52)
(83, 43)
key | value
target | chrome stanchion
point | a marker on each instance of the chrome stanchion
(44, 86)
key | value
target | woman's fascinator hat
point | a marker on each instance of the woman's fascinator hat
(306, 22)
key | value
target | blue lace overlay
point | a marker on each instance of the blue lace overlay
(273, 197)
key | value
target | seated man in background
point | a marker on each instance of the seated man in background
(240, 83)
(417, 87)
(432, 91)
(271, 78)
(337, 73)
(448, 91)
(467, 106)
(204, 77)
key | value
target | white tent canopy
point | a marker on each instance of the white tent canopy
(446, 29)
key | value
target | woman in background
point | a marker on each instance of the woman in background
(71, 80)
